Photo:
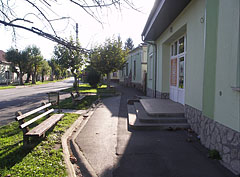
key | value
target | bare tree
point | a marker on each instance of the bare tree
(40, 17)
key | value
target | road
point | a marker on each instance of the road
(26, 98)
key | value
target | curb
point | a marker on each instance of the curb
(71, 149)
(66, 153)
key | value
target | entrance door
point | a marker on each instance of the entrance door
(177, 68)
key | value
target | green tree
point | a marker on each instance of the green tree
(55, 69)
(129, 44)
(18, 62)
(35, 60)
(44, 69)
(93, 76)
(70, 59)
(109, 57)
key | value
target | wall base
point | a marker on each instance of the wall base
(214, 135)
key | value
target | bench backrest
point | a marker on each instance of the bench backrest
(20, 117)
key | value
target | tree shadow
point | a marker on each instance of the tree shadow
(157, 153)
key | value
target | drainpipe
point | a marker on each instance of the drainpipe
(155, 74)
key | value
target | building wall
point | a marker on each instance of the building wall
(150, 71)
(12, 76)
(212, 65)
(227, 100)
(189, 23)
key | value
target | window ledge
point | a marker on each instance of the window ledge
(236, 88)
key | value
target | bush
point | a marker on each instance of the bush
(93, 78)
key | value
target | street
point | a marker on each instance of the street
(26, 98)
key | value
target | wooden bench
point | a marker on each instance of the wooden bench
(76, 97)
(39, 130)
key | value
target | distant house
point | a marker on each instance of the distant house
(6, 76)
(114, 76)
(134, 72)
(194, 59)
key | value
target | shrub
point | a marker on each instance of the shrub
(93, 78)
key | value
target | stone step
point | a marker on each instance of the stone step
(144, 117)
(134, 122)
(162, 107)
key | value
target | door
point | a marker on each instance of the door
(177, 70)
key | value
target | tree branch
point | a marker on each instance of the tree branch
(47, 36)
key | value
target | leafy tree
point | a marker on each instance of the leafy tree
(129, 44)
(35, 60)
(70, 59)
(18, 62)
(55, 69)
(109, 57)
(93, 76)
(44, 69)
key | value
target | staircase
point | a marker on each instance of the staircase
(152, 114)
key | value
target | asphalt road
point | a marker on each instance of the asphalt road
(26, 98)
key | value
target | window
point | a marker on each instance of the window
(175, 48)
(181, 73)
(127, 69)
(181, 45)
(114, 74)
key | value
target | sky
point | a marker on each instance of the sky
(126, 23)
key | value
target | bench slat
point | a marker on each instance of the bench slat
(45, 125)
(36, 118)
(80, 98)
(33, 111)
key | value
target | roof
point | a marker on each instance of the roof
(162, 15)
(2, 58)
(138, 47)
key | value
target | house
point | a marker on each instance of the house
(193, 59)
(134, 72)
(6, 76)
(114, 76)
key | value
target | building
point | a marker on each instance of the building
(193, 59)
(134, 72)
(6, 75)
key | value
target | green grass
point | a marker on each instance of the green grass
(86, 88)
(84, 104)
(29, 84)
(7, 87)
(44, 159)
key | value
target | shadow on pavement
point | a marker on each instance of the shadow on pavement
(159, 153)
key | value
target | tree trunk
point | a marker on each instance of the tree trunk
(21, 78)
(34, 76)
(42, 76)
(75, 84)
(108, 80)
(28, 78)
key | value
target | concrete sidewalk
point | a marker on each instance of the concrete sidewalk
(112, 149)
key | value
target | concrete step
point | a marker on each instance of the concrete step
(144, 117)
(134, 122)
(162, 107)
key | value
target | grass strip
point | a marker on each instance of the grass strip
(44, 159)
(7, 87)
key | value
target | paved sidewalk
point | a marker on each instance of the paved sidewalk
(114, 150)
(97, 140)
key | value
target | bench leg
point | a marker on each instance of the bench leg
(26, 141)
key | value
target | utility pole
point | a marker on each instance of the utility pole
(76, 32)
